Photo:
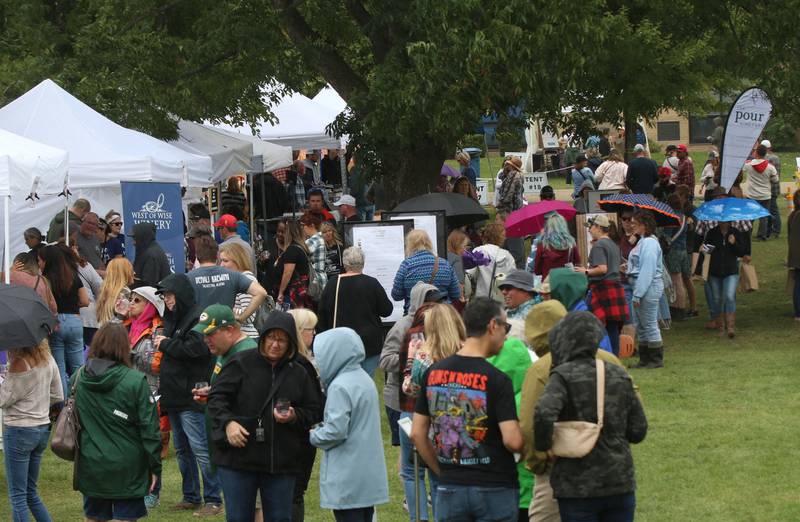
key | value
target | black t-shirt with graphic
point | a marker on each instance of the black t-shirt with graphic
(466, 399)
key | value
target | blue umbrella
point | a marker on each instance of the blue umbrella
(730, 209)
(664, 214)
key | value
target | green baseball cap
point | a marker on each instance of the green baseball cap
(214, 317)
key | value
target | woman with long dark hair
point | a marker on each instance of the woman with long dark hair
(292, 269)
(66, 343)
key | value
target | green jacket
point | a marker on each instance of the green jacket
(514, 360)
(57, 223)
(120, 445)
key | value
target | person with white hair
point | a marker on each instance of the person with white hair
(365, 302)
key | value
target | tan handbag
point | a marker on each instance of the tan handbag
(336, 300)
(575, 439)
(67, 429)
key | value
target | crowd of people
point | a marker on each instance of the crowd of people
(254, 359)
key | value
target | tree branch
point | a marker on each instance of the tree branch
(325, 58)
(380, 41)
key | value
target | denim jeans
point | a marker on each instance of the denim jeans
(723, 293)
(241, 488)
(613, 508)
(366, 213)
(66, 345)
(477, 504)
(763, 223)
(774, 217)
(370, 364)
(354, 515)
(191, 450)
(407, 476)
(23, 456)
(647, 314)
(629, 299)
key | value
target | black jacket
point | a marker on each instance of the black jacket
(238, 394)
(186, 358)
(151, 264)
(724, 260)
(362, 303)
(571, 394)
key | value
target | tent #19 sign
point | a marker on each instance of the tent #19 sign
(159, 204)
(533, 182)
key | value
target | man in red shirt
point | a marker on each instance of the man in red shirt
(316, 205)
(685, 174)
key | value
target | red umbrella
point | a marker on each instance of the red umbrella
(530, 219)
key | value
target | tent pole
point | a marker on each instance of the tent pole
(343, 168)
(66, 208)
(253, 231)
(7, 246)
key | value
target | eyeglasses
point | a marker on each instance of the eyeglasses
(116, 224)
(504, 324)
(269, 340)
(137, 300)
(626, 219)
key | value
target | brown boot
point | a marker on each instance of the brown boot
(164, 445)
(730, 325)
(714, 323)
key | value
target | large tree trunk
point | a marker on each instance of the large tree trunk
(411, 171)
(630, 134)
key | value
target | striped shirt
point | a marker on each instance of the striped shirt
(419, 267)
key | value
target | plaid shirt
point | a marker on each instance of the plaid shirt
(280, 175)
(608, 301)
(318, 255)
(685, 173)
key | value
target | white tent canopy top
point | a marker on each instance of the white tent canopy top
(301, 125)
(328, 97)
(101, 151)
(25, 167)
(273, 156)
(229, 156)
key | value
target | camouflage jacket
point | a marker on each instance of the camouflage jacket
(571, 394)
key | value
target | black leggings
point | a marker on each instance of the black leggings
(613, 328)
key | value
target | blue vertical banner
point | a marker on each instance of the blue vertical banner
(160, 204)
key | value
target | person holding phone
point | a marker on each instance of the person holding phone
(257, 446)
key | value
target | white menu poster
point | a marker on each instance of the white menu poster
(422, 222)
(384, 250)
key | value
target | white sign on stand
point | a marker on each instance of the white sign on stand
(534, 181)
(483, 191)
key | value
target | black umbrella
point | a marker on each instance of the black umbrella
(24, 318)
(460, 209)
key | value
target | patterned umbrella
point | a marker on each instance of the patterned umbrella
(665, 215)
(730, 209)
(530, 219)
(447, 170)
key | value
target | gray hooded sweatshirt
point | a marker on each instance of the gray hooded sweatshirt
(390, 355)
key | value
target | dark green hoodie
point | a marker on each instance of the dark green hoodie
(120, 444)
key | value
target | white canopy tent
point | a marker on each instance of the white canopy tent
(301, 125)
(229, 156)
(101, 152)
(26, 168)
(328, 97)
(272, 156)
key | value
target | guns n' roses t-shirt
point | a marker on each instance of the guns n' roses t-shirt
(466, 399)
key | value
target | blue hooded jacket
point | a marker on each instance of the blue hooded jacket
(353, 470)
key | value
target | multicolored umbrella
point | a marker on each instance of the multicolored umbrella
(730, 209)
(529, 220)
(665, 215)
(447, 170)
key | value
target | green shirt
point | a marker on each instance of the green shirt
(246, 343)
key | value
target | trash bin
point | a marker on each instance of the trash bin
(475, 159)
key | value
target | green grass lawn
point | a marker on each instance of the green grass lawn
(723, 438)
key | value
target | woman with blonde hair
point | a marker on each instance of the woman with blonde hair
(422, 264)
(306, 322)
(233, 256)
(333, 249)
(115, 292)
(611, 174)
(31, 386)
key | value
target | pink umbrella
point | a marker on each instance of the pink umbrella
(529, 219)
